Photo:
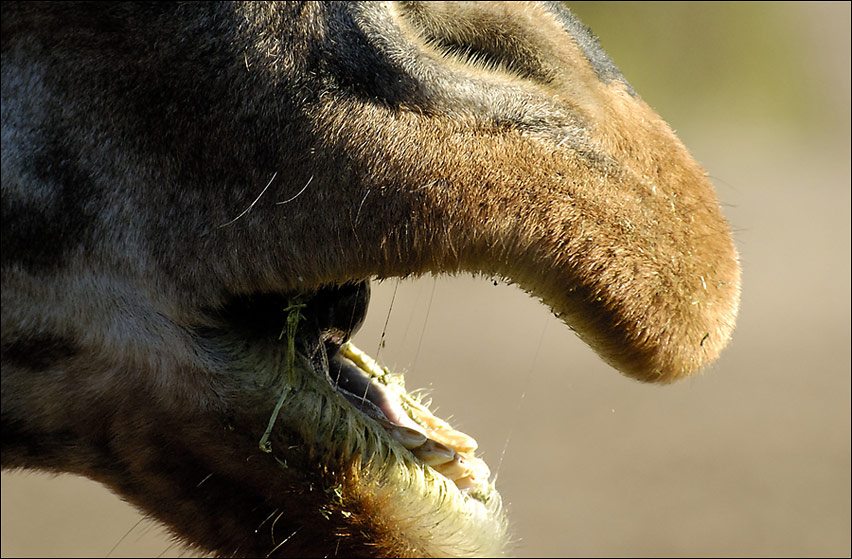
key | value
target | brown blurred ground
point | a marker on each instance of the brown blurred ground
(751, 458)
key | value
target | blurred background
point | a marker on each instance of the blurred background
(750, 458)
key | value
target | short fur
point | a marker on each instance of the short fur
(159, 160)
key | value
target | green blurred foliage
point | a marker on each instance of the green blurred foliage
(753, 62)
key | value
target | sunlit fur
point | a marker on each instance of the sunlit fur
(161, 160)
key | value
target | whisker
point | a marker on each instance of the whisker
(387, 319)
(297, 194)
(245, 211)
(526, 385)
(285, 540)
(425, 322)
(127, 533)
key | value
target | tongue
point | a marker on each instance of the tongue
(367, 395)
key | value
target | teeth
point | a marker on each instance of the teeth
(428, 420)
(409, 438)
(466, 472)
(454, 469)
(455, 439)
(478, 470)
(428, 437)
(434, 453)
(466, 483)
(362, 360)
(441, 431)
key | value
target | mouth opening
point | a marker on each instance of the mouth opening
(329, 317)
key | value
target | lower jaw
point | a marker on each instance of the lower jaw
(383, 486)
(318, 325)
(385, 461)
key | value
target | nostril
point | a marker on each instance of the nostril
(479, 37)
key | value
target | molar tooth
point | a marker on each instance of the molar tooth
(478, 469)
(442, 431)
(409, 438)
(455, 469)
(462, 442)
(465, 483)
(434, 453)
(429, 420)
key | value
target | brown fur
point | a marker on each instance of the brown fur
(160, 160)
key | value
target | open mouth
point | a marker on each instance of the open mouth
(326, 320)
(336, 313)
(431, 439)
(389, 469)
